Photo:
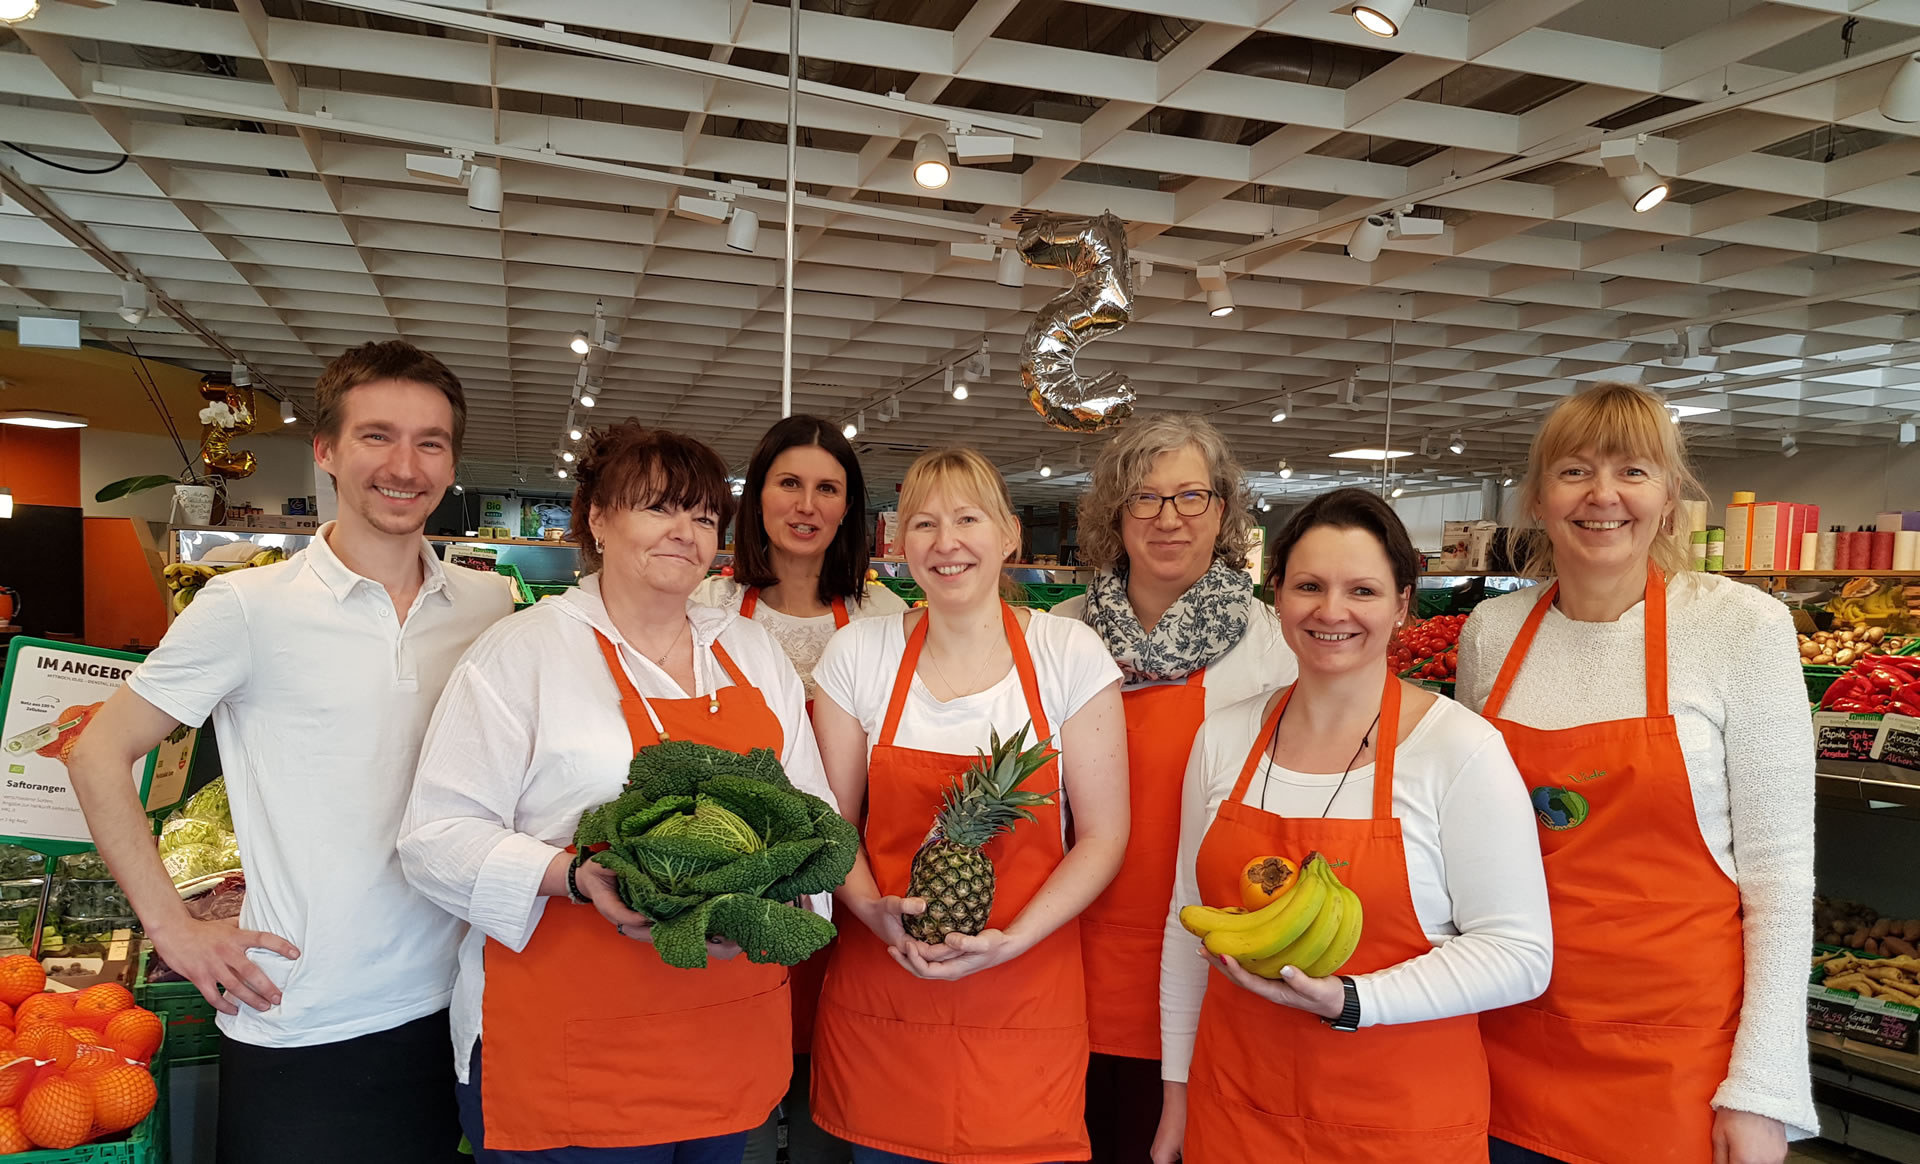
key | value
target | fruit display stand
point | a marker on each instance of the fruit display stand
(192, 1037)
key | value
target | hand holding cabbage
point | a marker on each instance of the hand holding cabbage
(705, 841)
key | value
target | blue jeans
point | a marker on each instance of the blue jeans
(1501, 1152)
(712, 1150)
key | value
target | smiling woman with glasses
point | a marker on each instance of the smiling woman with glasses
(1167, 529)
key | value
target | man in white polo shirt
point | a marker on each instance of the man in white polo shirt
(320, 674)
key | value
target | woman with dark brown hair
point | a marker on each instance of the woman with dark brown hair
(572, 1039)
(1414, 803)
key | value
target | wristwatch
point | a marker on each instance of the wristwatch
(1349, 1019)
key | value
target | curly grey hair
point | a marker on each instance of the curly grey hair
(1124, 463)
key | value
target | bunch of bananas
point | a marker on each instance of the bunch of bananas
(1315, 926)
(1868, 602)
(184, 579)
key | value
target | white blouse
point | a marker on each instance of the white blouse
(529, 736)
(803, 639)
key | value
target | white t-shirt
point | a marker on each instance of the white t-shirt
(1740, 707)
(858, 670)
(1260, 662)
(320, 697)
(529, 736)
(1473, 865)
(803, 639)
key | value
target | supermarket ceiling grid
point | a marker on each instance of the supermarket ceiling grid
(304, 175)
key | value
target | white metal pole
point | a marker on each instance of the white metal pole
(793, 138)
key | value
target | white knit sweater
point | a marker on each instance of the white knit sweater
(1741, 709)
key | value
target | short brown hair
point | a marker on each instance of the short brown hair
(386, 360)
(1351, 508)
(631, 466)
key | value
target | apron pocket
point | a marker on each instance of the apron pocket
(1235, 1133)
(678, 1075)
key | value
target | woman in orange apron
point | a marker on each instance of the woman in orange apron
(800, 570)
(1166, 526)
(1692, 760)
(573, 1040)
(975, 1050)
(1410, 799)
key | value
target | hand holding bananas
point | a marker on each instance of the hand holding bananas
(1306, 930)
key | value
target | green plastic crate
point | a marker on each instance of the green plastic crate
(542, 589)
(522, 596)
(191, 1035)
(1047, 595)
(905, 588)
(146, 1144)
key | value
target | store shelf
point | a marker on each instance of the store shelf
(1819, 573)
(1883, 1086)
(1868, 782)
(551, 545)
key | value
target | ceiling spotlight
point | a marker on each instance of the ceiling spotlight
(959, 391)
(134, 302)
(567, 456)
(13, 12)
(1906, 432)
(586, 399)
(573, 434)
(1643, 190)
(1220, 303)
(1457, 446)
(580, 344)
(286, 412)
(1350, 392)
(1382, 17)
(1264, 507)
(1012, 271)
(1788, 446)
(1673, 355)
(1286, 471)
(930, 164)
(1901, 101)
(560, 473)
(1397, 491)
(1506, 479)
(850, 431)
(738, 488)
(1369, 235)
(239, 375)
(743, 230)
(483, 189)
(978, 366)
(1046, 470)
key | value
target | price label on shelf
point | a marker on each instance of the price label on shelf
(1886, 1024)
(1829, 1010)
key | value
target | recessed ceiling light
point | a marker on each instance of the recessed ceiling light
(33, 418)
(1372, 454)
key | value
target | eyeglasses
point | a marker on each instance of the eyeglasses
(1192, 503)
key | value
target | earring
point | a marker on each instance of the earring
(599, 547)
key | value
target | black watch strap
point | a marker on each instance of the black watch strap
(573, 887)
(1349, 1019)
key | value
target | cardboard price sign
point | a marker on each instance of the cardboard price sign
(49, 693)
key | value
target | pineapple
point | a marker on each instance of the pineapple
(951, 872)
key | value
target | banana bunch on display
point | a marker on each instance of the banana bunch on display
(1868, 602)
(184, 579)
(1314, 924)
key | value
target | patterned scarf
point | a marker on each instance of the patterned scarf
(1202, 625)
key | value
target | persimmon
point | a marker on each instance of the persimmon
(1267, 879)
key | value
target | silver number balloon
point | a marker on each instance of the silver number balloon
(1100, 302)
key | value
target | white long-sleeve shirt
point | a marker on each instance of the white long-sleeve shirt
(1740, 706)
(1473, 865)
(529, 736)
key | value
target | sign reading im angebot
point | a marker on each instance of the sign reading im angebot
(50, 692)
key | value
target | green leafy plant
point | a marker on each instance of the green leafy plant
(708, 842)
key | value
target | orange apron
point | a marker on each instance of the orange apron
(1618, 1061)
(1273, 1084)
(1128, 922)
(992, 1067)
(589, 1040)
(807, 978)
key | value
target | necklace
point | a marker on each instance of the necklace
(660, 660)
(1274, 739)
(971, 679)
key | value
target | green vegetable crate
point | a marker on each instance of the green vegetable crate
(1047, 595)
(146, 1144)
(191, 1035)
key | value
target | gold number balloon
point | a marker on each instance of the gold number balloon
(1100, 302)
(216, 452)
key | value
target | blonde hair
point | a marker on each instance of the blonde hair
(1125, 462)
(1611, 419)
(968, 477)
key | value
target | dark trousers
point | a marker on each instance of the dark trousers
(384, 1098)
(711, 1150)
(1123, 1108)
(1501, 1152)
